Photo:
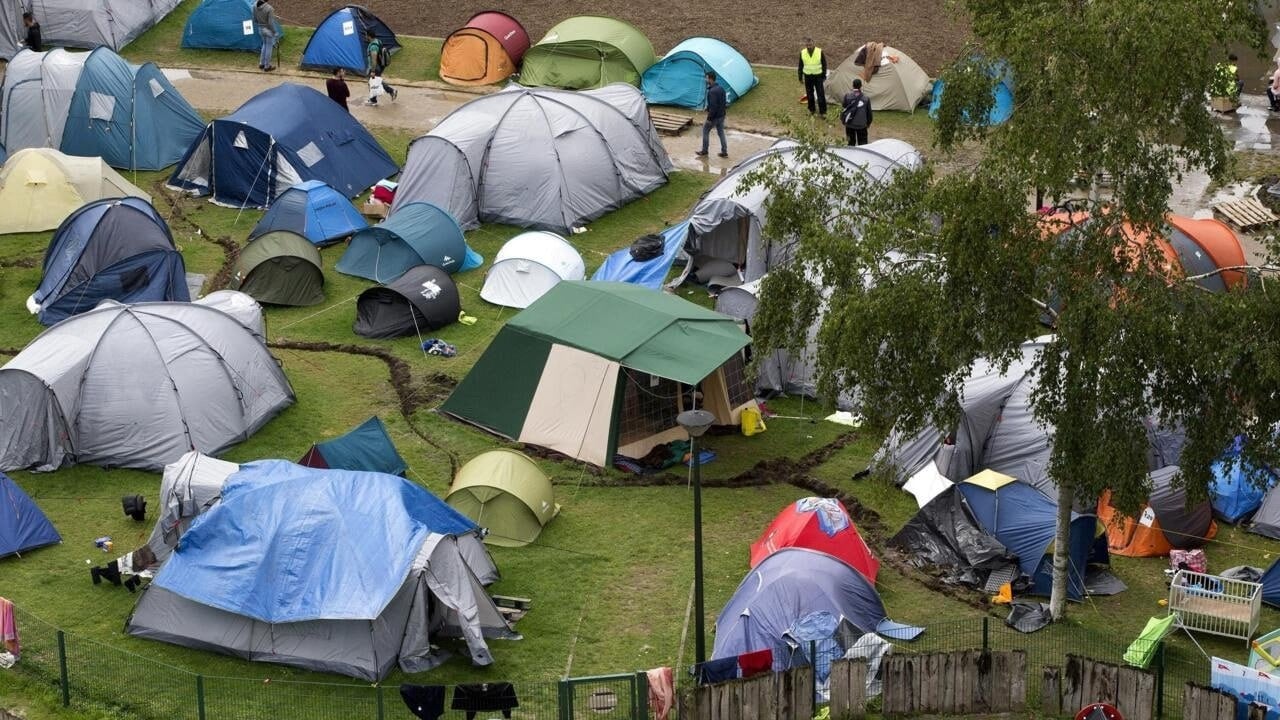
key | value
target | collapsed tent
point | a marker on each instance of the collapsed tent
(527, 266)
(588, 52)
(945, 535)
(241, 307)
(40, 187)
(365, 447)
(505, 493)
(1165, 522)
(423, 298)
(597, 369)
(679, 78)
(623, 266)
(540, 158)
(1001, 95)
(77, 23)
(96, 104)
(488, 49)
(339, 41)
(188, 488)
(892, 82)
(23, 526)
(313, 210)
(418, 233)
(224, 25)
(376, 570)
(279, 268)
(821, 524)
(1023, 519)
(136, 386)
(277, 139)
(111, 249)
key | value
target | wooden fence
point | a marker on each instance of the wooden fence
(773, 696)
(1084, 681)
(955, 683)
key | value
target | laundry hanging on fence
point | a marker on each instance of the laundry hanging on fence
(662, 694)
(485, 697)
(424, 701)
(755, 663)
(9, 628)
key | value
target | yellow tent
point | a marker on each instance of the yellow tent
(40, 187)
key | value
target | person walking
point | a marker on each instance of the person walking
(812, 69)
(377, 60)
(337, 88)
(855, 114)
(717, 101)
(33, 41)
(1273, 91)
(264, 16)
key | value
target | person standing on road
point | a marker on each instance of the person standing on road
(717, 101)
(337, 88)
(855, 114)
(33, 41)
(377, 60)
(264, 16)
(1273, 90)
(812, 69)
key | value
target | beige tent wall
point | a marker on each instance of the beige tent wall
(572, 409)
(896, 86)
(727, 392)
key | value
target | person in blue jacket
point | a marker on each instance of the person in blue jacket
(717, 101)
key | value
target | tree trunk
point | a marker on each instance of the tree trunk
(1061, 553)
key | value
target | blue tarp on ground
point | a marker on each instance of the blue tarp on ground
(418, 233)
(288, 543)
(621, 267)
(1002, 95)
(313, 210)
(679, 77)
(367, 447)
(23, 526)
(224, 25)
(338, 41)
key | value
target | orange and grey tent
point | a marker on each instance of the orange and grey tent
(486, 50)
(1164, 524)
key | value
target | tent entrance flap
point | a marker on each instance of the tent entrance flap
(571, 408)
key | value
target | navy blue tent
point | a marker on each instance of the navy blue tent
(339, 40)
(111, 249)
(1271, 584)
(1023, 519)
(224, 25)
(313, 210)
(621, 267)
(23, 526)
(418, 234)
(368, 447)
(279, 138)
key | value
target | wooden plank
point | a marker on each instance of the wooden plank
(1072, 684)
(1051, 690)
(804, 693)
(891, 669)
(964, 694)
(947, 676)
(838, 685)
(857, 704)
(1257, 712)
(1018, 681)
(1000, 682)
(1144, 696)
(1109, 679)
(1126, 692)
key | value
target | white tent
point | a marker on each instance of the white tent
(81, 23)
(240, 306)
(40, 187)
(529, 265)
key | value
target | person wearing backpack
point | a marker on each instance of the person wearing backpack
(378, 56)
(855, 114)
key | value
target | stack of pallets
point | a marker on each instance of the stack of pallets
(667, 123)
(1245, 214)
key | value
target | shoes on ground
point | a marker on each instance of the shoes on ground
(724, 155)
(394, 93)
(701, 153)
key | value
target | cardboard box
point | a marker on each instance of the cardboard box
(375, 209)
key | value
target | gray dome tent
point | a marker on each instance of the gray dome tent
(136, 386)
(423, 298)
(280, 268)
(545, 158)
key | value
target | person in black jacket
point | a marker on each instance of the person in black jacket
(855, 114)
(33, 41)
(717, 101)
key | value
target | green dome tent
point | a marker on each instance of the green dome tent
(504, 492)
(280, 268)
(588, 52)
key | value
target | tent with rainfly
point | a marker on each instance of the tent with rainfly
(597, 369)
(488, 49)
(224, 25)
(423, 298)
(418, 233)
(280, 268)
(366, 447)
(23, 526)
(893, 82)
(40, 187)
(339, 40)
(679, 78)
(527, 266)
(78, 23)
(821, 524)
(504, 492)
(588, 52)
(1163, 524)
(313, 210)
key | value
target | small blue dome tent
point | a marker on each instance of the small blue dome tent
(224, 25)
(366, 447)
(1002, 101)
(679, 77)
(339, 40)
(277, 139)
(313, 210)
(112, 249)
(23, 526)
(418, 234)
(1237, 488)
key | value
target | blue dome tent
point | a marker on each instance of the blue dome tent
(338, 41)
(418, 234)
(111, 249)
(313, 210)
(277, 139)
(224, 25)
(1002, 100)
(679, 77)
(23, 526)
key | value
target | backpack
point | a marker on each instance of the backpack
(854, 115)
(383, 55)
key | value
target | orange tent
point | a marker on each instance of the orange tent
(486, 50)
(1165, 522)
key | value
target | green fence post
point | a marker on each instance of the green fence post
(564, 700)
(1160, 680)
(986, 632)
(62, 670)
(380, 709)
(200, 697)
(640, 691)
(813, 663)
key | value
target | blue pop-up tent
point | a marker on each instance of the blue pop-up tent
(418, 233)
(621, 267)
(1237, 488)
(279, 138)
(1001, 100)
(367, 447)
(23, 526)
(679, 77)
(313, 210)
(224, 25)
(339, 40)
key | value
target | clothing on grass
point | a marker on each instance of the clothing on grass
(424, 701)
(662, 694)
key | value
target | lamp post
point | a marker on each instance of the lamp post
(696, 422)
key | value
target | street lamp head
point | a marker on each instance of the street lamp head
(695, 422)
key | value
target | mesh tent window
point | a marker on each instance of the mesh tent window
(737, 383)
(649, 406)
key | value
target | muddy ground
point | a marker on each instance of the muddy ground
(764, 31)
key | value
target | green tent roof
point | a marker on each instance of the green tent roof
(607, 31)
(642, 329)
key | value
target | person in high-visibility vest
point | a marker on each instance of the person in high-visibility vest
(812, 69)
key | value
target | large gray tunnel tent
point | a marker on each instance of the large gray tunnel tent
(136, 386)
(81, 23)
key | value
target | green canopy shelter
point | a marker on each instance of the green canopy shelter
(588, 52)
(280, 268)
(504, 492)
(598, 369)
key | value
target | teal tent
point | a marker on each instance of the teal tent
(679, 78)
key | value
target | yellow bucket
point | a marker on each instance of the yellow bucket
(752, 421)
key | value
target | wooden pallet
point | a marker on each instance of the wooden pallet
(512, 608)
(668, 123)
(1246, 214)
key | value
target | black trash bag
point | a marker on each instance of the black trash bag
(647, 247)
(945, 537)
(1027, 617)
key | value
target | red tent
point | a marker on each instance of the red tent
(820, 524)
